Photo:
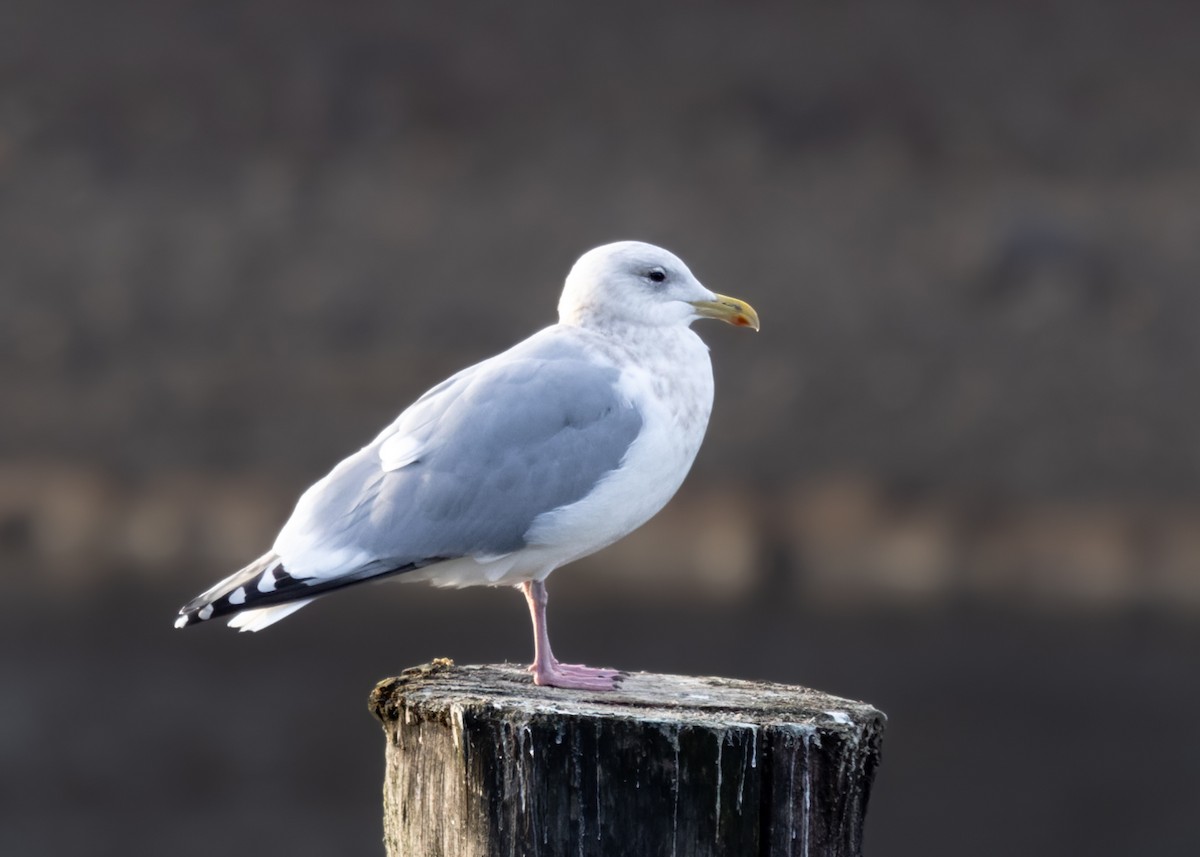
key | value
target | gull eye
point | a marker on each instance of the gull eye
(656, 275)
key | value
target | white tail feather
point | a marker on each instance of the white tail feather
(256, 620)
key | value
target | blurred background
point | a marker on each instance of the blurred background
(956, 475)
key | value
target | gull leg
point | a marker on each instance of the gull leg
(545, 668)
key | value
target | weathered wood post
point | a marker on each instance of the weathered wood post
(482, 763)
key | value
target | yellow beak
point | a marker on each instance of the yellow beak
(731, 310)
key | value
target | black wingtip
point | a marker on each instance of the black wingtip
(195, 612)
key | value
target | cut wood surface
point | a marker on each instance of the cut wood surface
(480, 761)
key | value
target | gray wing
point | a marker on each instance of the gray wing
(491, 449)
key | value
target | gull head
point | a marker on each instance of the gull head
(630, 282)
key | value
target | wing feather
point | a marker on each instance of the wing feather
(467, 469)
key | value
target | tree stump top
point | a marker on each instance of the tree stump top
(680, 700)
(483, 763)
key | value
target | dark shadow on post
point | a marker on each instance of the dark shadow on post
(482, 763)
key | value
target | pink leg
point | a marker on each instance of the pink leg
(546, 669)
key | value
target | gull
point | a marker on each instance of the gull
(539, 456)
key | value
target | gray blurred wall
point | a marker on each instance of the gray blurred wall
(955, 475)
(236, 238)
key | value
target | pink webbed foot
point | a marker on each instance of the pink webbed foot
(575, 676)
(546, 669)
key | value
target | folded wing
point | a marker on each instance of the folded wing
(463, 472)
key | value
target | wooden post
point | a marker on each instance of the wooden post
(482, 763)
